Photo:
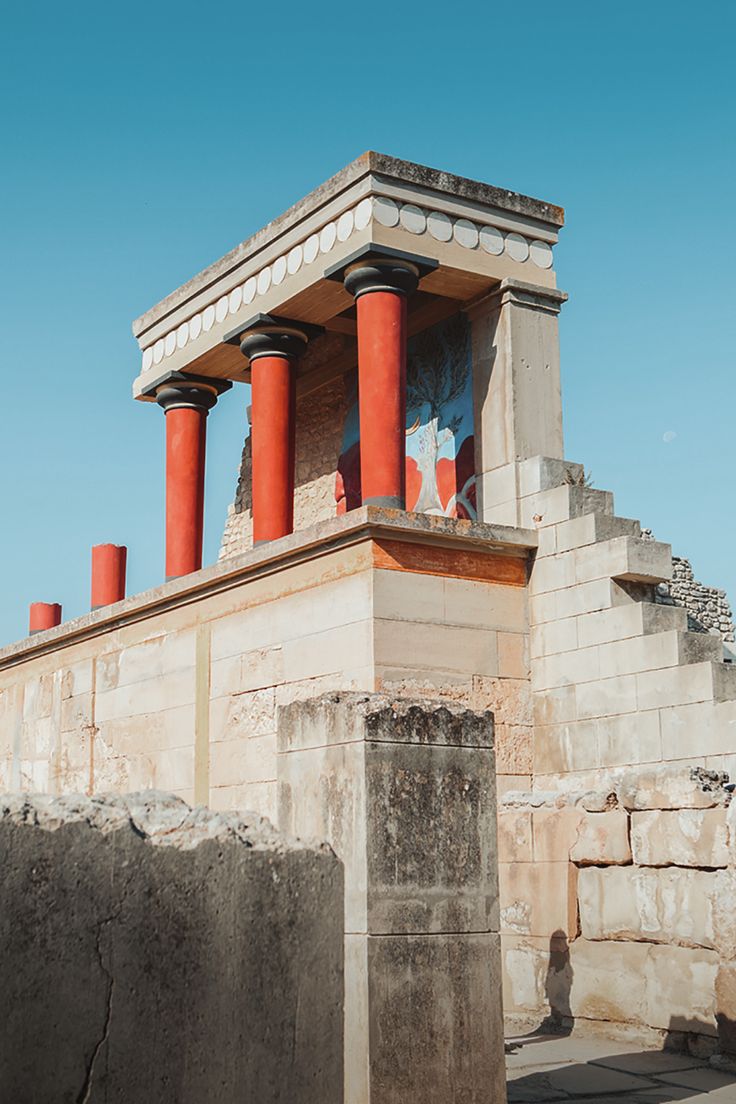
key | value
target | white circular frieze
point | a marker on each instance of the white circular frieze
(169, 343)
(208, 318)
(363, 214)
(327, 237)
(491, 240)
(250, 288)
(345, 225)
(236, 300)
(279, 270)
(541, 254)
(221, 308)
(439, 226)
(413, 219)
(311, 248)
(385, 211)
(517, 247)
(158, 351)
(195, 327)
(182, 335)
(465, 233)
(264, 280)
(294, 260)
(147, 358)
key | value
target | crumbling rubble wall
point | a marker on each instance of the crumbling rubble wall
(620, 905)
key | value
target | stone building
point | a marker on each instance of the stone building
(406, 522)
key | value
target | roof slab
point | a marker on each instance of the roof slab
(473, 234)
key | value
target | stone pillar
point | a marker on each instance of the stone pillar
(405, 794)
(273, 347)
(186, 401)
(380, 286)
(157, 952)
(516, 387)
(108, 574)
(43, 615)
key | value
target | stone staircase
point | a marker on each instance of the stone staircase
(617, 679)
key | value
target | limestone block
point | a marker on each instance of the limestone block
(632, 559)
(695, 682)
(538, 898)
(513, 655)
(602, 839)
(679, 987)
(514, 835)
(670, 905)
(632, 620)
(593, 529)
(582, 665)
(554, 832)
(725, 1006)
(608, 981)
(153, 951)
(537, 975)
(629, 739)
(680, 837)
(565, 747)
(509, 700)
(559, 504)
(544, 473)
(671, 788)
(552, 637)
(724, 913)
(709, 728)
(605, 697)
(514, 749)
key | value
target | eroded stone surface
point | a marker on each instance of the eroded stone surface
(680, 837)
(672, 788)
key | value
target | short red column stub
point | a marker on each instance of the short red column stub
(43, 615)
(108, 574)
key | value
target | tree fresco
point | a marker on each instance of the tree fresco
(440, 475)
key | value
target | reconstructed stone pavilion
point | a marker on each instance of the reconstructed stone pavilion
(405, 522)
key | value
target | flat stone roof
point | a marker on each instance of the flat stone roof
(421, 177)
(364, 523)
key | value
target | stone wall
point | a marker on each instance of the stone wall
(708, 608)
(619, 905)
(156, 952)
(320, 417)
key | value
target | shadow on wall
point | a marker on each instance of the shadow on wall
(558, 986)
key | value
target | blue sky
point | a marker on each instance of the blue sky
(142, 141)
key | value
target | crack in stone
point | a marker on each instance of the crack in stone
(83, 1096)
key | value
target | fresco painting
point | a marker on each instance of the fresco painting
(440, 471)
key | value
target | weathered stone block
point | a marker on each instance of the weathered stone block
(608, 981)
(679, 983)
(405, 793)
(153, 951)
(680, 837)
(538, 898)
(514, 835)
(724, 913)
(602, 839)
(671, 905)
(537, 975)
(555, 832)
(671, 788)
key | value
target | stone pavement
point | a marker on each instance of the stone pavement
(543, 1069)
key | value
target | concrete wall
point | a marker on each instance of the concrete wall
(151, 951)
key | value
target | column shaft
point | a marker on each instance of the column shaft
(108, 574)
(382, 397)
(44, 615)
(185, 456)
(273, 442)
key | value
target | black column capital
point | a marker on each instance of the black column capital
(193, 392)
(379, 268)
(269, 335)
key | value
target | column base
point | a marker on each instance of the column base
(386, 502)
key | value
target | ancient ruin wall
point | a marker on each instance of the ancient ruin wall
(708, 607)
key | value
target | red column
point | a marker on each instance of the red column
(381, 289)
(272, 446)
(108, 574)
(44, 615)
(186, 405)
(273, 350)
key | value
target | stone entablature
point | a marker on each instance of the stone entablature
(484, 233)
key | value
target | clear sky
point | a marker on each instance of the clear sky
(139, 142)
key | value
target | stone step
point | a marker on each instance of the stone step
(604, 626)
(628, 559)
(710, 681)
(592, 529)
(561, 504)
